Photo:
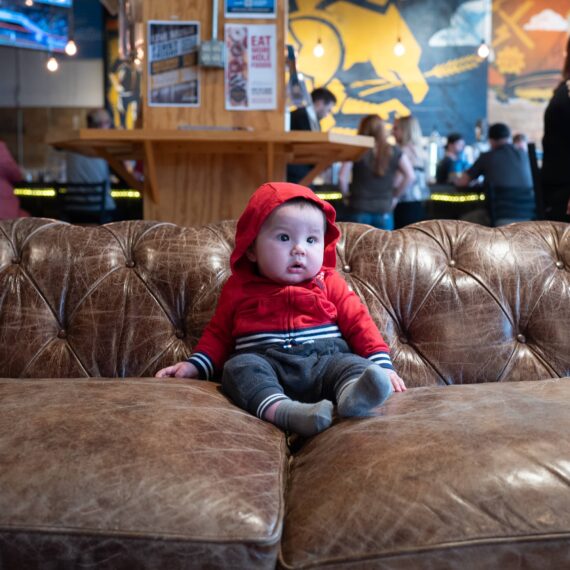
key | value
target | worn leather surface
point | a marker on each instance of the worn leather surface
(458, 303)
(466, 477)
(119, 300)
(461, 303)
(136, 473)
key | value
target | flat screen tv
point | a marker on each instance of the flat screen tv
(43, 25)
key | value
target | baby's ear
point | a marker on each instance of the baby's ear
(250, 253)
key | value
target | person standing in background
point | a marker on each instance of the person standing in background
(411, 205)
(309, 119)
(81, 168)
(453, 164)
(507, 180)
(9, 174)
(556, 149)
(520, 140)
(374, 190)
(504, 165)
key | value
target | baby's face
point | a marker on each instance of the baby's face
(290, 245)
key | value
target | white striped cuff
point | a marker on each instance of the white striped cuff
(203, 363)
(382, 359)
(262, 408)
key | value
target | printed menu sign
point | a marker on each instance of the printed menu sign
(173, 73)
(251, 73)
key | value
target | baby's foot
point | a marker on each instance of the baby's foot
(304, 419)
(357, 397)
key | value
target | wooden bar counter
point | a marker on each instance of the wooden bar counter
(193, 177)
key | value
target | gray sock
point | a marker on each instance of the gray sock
(359, 396)
(304, 419)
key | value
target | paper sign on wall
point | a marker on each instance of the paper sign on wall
(251, 71)
(173, 73)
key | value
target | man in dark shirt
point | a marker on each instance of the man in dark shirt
(507, 175)
(308, 119)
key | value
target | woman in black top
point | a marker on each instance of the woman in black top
(556, 148)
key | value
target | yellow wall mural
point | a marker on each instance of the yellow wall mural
(529, 38)
(345, 30)
(123, 87)
(360, 67)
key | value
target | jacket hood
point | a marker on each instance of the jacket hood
(262, 202)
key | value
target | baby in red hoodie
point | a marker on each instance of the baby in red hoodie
(288, 335)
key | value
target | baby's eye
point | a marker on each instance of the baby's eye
(312, 240)
(283, 237)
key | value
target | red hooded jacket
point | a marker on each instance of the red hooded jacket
(254, 311)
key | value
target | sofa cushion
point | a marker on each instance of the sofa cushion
(463, 477)
(136, 473)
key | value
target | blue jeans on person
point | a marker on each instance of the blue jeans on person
(376, 219)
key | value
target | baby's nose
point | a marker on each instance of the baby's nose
(298, 248)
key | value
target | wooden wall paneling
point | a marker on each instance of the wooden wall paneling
(195, 188)
(151, 172)
(212, 111)
(36, 124)
(215, 183)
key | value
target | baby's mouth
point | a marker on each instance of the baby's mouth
(297, 266)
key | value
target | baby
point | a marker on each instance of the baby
(288, 335)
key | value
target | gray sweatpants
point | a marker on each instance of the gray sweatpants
(257, 378)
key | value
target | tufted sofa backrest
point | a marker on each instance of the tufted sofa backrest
(457, 302)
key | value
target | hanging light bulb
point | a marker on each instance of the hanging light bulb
(52, 64)
(399, 48)
(29, 3)
(319, 50)
(483, 50)
(70, 47)
(139, 56)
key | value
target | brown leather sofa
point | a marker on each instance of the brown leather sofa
(102, 466)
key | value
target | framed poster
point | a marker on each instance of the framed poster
(173, 72)
(251, 70)
(250, 9)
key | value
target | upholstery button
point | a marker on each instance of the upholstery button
(560, 264)
(130, 263)
(521, 338)
(403, 340)
(179, 333)
(62, 334)
(452, 263)
(346, 268)
(16, 260)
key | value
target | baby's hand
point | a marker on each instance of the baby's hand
(179, 370)
(397, 382)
